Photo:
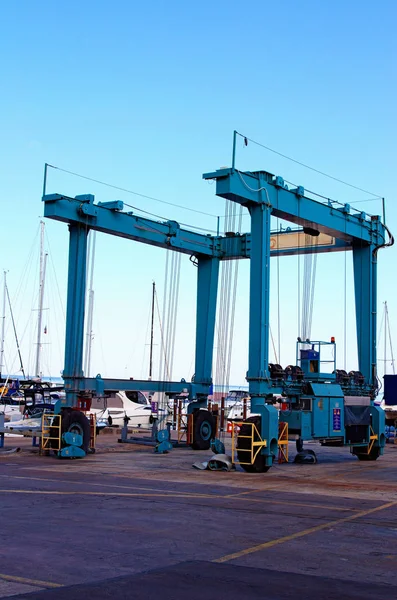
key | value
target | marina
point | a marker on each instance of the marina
(198, 389)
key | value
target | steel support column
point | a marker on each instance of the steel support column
(75, 307)
(365, 271)
(207, 291)
(259, 327)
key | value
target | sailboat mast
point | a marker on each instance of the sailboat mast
(151, 332)
(3, 325)
(43, 263)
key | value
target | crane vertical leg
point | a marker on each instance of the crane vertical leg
(364, 262)
(207, 290)
(75, 308)
(203, 424)
(258, 358)
(365, 272)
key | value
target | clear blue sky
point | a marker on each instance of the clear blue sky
(146, 96)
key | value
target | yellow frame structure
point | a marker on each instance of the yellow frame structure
(256, 446)
(283, 442)
(373, 436)
(50, 421)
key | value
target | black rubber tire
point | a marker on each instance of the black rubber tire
(75, 420)
(244, 443)
(299, 445)
(373, 455)
(203, 422)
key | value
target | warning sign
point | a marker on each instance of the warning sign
(336, 419)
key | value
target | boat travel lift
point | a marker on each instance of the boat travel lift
(336, 407)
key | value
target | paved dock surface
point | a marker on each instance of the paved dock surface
(154, 523)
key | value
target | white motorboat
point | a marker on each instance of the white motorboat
(118, 405)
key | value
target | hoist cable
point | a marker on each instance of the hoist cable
(127, 191)
(309, 167)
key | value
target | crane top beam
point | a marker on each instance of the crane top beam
(108, 217)
(261, 187)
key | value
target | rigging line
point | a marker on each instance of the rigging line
(15, 331)
(161, 330)
(376, 199)
(146, 212)
(261, 189)
(162, 354)
(313, 282)
(381, 326)
(308, 167)
(232, 318)
(390, 342)
(55, 275)
(121, 189)
(274, 346)
(278, 291)
(345, 311)
(179, 261)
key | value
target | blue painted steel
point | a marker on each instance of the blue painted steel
(162, 435)
(329, 390)
(291, 205)
(163, 234)
(217, 446)
(259, 308)
(75, 308)
(99, 385)
(71, 452)
(364, 263)
(107, 218)
(72, 439)
(163, 447)
(207, 289)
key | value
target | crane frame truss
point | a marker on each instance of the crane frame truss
(264, 195)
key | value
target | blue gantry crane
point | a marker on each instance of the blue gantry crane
(335, 407)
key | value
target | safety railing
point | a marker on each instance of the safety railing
(51, 432)
(184, 427)
(92, 431)
(282, 442)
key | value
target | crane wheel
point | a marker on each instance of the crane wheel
(76, 422)
(373, 455)
(204, 428)
(244, 443)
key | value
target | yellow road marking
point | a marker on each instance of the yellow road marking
(270, 501)
(33, 582)
(298, 534)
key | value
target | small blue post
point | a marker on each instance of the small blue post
(234, 150)
(45, 179)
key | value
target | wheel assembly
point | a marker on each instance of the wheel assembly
(299, 444)
(249, 433)
(72, 422)
(204, 429)
(373, 454)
